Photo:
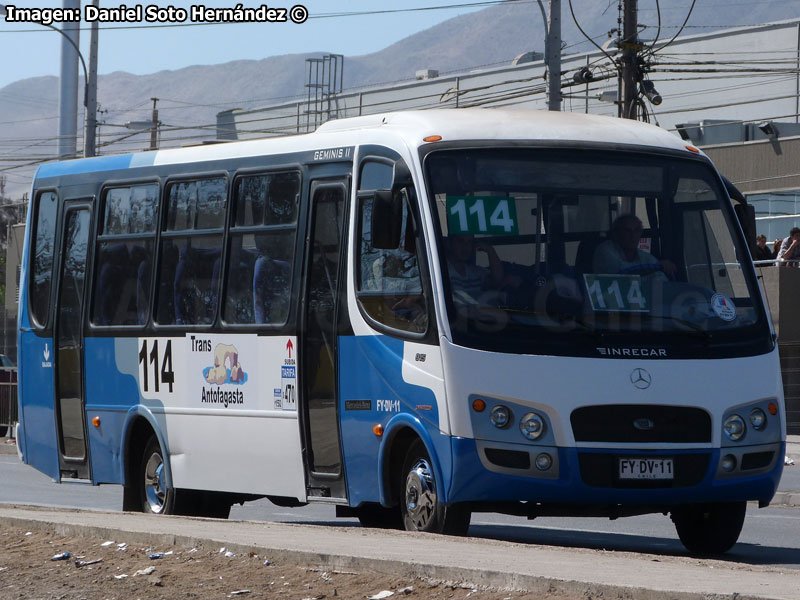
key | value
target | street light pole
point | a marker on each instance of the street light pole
(552, 52)
(67, 138)
(68, 84)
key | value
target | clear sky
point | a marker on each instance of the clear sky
(32, 50)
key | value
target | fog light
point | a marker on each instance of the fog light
(728, 463)
(500, 416)
(532, 426)
(544, 461)
(734, 428)
(758, 419)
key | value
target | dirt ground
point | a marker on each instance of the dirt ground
(27, 570)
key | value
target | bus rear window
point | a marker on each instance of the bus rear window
(43, 251)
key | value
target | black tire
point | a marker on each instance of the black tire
(379, 517)
(154, 495)
(709, 529)
(420, 506)
(156, 498)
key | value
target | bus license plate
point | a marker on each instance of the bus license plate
(645, 468)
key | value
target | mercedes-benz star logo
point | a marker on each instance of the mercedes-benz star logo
(641, 379)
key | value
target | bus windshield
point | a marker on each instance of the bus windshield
(540, 246)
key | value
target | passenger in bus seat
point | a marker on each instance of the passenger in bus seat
(620, 253)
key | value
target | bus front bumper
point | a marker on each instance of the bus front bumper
(484, 472)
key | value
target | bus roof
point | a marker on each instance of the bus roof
(468, 124)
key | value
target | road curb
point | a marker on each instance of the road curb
(76, 523)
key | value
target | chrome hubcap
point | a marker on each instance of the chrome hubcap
(420, 495)
(154, 485)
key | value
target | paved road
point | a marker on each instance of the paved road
(770, 536)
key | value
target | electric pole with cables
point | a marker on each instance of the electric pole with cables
(630, 71)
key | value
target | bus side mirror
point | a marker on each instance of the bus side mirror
(746, 213)
(387, 219)
(401, 176)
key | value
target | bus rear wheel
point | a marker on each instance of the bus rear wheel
(709, 529)
(420, 503)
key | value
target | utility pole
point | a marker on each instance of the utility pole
(553, 58)
(154, 130)
(630, 73)
(68, 91)
(90, 137)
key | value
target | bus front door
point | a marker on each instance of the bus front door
(318, 348)
(70, 412)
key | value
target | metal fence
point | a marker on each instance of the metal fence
(8, 403)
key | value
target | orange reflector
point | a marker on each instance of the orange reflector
(96, 421)
(772, 408)
(479, 405)
(693, 149)
(432, 138)
(377, 429)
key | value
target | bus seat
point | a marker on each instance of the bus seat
(585, 255)
(271, 289)
(114, 266)
(239, 294)
(195, 293)
(143, 273)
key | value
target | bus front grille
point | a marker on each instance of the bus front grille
(641, 423)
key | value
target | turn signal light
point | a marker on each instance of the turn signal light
(96, 421)
(478, 405)
(377, 430)
(432, 138)
(772, 408)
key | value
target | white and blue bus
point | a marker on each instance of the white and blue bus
(411, 316)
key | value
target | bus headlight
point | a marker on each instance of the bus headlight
(532, 426)
(758, 419)
(734, 428)
(500, 416)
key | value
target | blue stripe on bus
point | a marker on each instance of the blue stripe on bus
(371, 369)
(96, 164)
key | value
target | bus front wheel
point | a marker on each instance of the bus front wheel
(709, 529)
(156, 496)
(420, 503)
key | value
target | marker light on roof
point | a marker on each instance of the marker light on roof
(432, 138)
(693, 149)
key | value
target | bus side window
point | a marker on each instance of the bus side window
(389, 288)
(191, 251)
(43, 251)
(125, 256)
(262, 241)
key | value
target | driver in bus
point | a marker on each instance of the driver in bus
(620, 253)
